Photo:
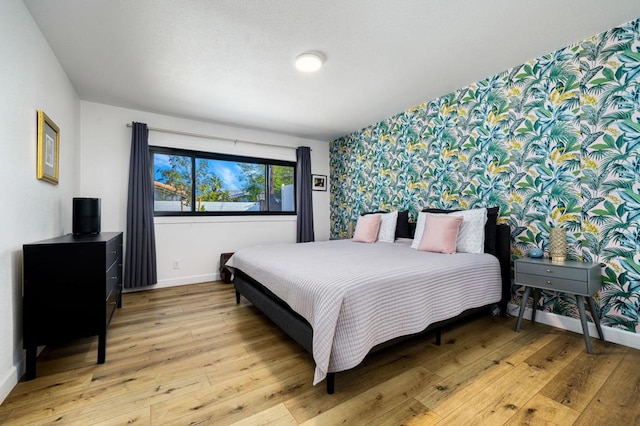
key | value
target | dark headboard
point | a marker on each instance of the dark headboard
(503, 253)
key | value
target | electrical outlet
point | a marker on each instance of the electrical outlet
(176, 263)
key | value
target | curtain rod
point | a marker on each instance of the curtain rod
(217, 138)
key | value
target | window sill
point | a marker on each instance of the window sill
(168, 220)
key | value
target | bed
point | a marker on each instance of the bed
(341, 300)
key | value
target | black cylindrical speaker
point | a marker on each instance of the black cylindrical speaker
(86, 216)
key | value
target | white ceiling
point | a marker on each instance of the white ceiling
(231, 61)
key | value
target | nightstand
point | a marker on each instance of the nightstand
(226, 275)
(577, 278)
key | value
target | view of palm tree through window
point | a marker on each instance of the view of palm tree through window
(186, 182)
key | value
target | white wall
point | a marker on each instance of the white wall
(195, 242)
(94, 161)
(30, 79)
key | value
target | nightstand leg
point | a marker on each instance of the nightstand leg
(534, 304)
(596, 318)
(523, 305)
(583, 320)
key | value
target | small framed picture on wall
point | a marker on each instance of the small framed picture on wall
(48, 149)
(319, 182)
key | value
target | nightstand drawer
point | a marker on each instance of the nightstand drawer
(553, 271)
(553, 283)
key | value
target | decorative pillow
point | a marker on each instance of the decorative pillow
(471, 233)
(387, 231)
(367, 228)
(440, 233)
(417, 235)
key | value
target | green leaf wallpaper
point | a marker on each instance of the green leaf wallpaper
(553, 142)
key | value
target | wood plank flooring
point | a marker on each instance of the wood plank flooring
(189, 355)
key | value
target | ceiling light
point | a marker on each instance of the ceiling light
(309, 62)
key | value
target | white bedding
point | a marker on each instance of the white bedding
(357, 295)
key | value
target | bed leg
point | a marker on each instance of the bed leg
(331, 383)
(503, 308)
(438, 336)
(237, 297)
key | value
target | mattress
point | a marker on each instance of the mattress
(356, 296)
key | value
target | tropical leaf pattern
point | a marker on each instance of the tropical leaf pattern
(553, 142)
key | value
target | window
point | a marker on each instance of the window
(194, 183)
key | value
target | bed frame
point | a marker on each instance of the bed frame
(300, 330)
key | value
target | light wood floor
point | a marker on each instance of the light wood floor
(189, 355)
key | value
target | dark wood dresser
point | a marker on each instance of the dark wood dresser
(72, 286)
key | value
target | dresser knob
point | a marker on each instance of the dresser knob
(549, 270)
(549, 282)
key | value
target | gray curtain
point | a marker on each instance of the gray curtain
(303, 195)
(140, 247)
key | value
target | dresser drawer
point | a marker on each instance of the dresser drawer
(113, 251)
(112, 278)
(553, 271)
(552, 283)
(112, 302)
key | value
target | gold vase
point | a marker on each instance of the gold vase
(558, 244)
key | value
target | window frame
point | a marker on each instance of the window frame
(194, 155)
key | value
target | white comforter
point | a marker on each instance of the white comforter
(357, 295)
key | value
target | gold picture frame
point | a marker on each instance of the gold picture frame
(48, 149)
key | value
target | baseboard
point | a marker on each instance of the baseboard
(611, 334)
(174, 282)
(13, 376)
(9, 381)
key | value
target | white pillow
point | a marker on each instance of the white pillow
(417, 236)
(387, 232)
(471, 234)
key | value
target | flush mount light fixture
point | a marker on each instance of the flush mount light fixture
(309, 62)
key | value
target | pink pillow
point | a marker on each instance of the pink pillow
(440, 233)
(367, 228)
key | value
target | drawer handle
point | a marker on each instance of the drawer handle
(113, 278)
(549, 270)
(113, 252)
(549, 282)
(112, 303)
